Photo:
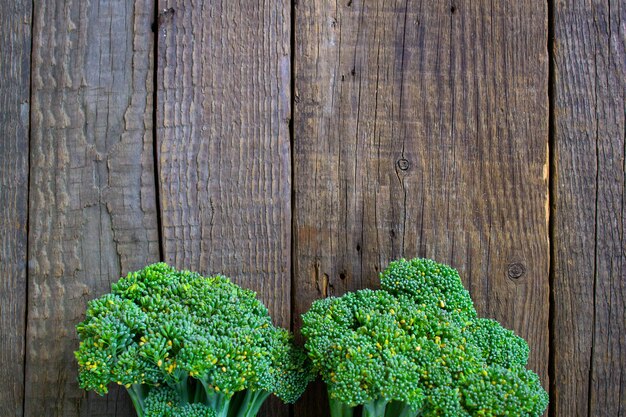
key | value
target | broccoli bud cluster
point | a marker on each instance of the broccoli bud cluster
(164, 402)
(188, 345)
(417, 348)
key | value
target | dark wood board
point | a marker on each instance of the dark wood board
(92, 194)
(223, 110)
(589, 183)
(421, 129)
(15, 40)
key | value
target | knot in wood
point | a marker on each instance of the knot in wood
(403, 164)
(164, 16)
(515, 270)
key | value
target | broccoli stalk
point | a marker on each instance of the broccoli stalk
(339, 408)
(197, 343)
(383, 407)
(244, 403)
(375, 408)
(138, 394)
(218, 402)
(398, 409)
(417, 348)
(253, 401)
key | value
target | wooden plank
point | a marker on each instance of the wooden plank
(589, 246)
(93, 205)
(421, 129)
(223, 110)
(15, 39)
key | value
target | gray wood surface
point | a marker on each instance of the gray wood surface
(92, 194)
(223, 110)
(421, 129)
(15, 40)
(589, 183)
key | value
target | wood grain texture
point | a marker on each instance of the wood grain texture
(15, 40)
(223, 109)
(589, 246)
(92, 205)
(421, 129)
(223, 142)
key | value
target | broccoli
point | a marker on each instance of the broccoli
(417, 348)
(208, 342)
(164, 402)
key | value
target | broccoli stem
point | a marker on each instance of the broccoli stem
(199, 393)
(138, 394)
(400, 409)
(219, 402)
(375, 408)
(251, 403)
(182, 388)
(339, 409)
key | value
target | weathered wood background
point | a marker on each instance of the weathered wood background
(299, 147)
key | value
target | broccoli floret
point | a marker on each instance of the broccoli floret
(291, 371)
(428, 282)
(416, 348)
(210, 341)
(499, 346)
(498, 391)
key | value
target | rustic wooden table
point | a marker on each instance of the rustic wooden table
(299, 148)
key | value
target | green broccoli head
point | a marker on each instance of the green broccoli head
(410, 349)
(178, 328)
(428, 282)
